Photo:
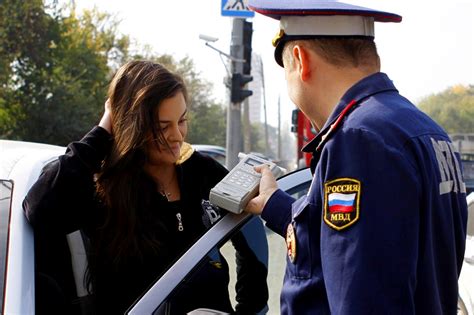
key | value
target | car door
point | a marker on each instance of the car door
(466, 278)
(154, 301)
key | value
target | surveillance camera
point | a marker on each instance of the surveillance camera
(208, 38)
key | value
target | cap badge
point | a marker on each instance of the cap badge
(341, 202)
(291, 242)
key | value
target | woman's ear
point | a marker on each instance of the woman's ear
(302, 59)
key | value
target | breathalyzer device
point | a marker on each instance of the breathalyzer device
(241, 184)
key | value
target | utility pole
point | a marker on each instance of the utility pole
(279, 129)
(239, 50)
(247, 131)
(267, 145)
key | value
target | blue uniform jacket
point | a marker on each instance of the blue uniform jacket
(382, 229)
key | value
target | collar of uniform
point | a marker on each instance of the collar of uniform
(373, 84)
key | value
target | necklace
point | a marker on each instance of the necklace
(165, 194)
(162, 188)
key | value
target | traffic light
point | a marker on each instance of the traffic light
(237, 93)
(247, 43)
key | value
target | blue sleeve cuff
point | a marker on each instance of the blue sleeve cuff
(277, 212)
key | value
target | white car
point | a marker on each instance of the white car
(20, 166)
(214, 151)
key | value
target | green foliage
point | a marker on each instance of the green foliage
(257, 137)
(54, 70)
(25, 34)
(55, 67)
(207, 125)
(453, 108)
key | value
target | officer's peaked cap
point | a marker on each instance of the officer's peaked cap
(305, 19)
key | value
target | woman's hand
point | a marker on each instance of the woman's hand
(106, 120)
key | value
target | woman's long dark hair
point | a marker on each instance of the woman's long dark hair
(136, 91)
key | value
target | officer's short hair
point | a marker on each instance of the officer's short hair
(342, 52)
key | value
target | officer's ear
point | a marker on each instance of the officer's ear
(301, 58)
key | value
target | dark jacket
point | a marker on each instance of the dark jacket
(383, 227)
(64, 200)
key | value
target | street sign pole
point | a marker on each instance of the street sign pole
(234, 130)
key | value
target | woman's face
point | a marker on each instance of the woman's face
(173, 122)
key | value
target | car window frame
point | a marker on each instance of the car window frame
(6, 197)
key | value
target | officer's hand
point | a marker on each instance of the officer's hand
(268, 186)
(106, 120)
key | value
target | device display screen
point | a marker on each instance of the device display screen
(253, 162)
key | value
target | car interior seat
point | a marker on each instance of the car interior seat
(60, 267)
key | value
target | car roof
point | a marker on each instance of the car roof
(12, 152)
(208, 147)
(20, 164)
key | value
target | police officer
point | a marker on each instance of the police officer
(382, 229)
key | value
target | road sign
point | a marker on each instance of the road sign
(236, 8)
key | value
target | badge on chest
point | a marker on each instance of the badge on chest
(291, 242)
(341, 202)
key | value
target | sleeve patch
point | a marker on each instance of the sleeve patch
(341, 202)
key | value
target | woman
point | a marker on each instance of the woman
(140, 194)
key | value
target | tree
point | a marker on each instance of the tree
(54, 76)
(25, 35)
(55, 67)
(453, 108)
(207, 125)
(257, 138)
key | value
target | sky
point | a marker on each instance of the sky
(430, 50)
